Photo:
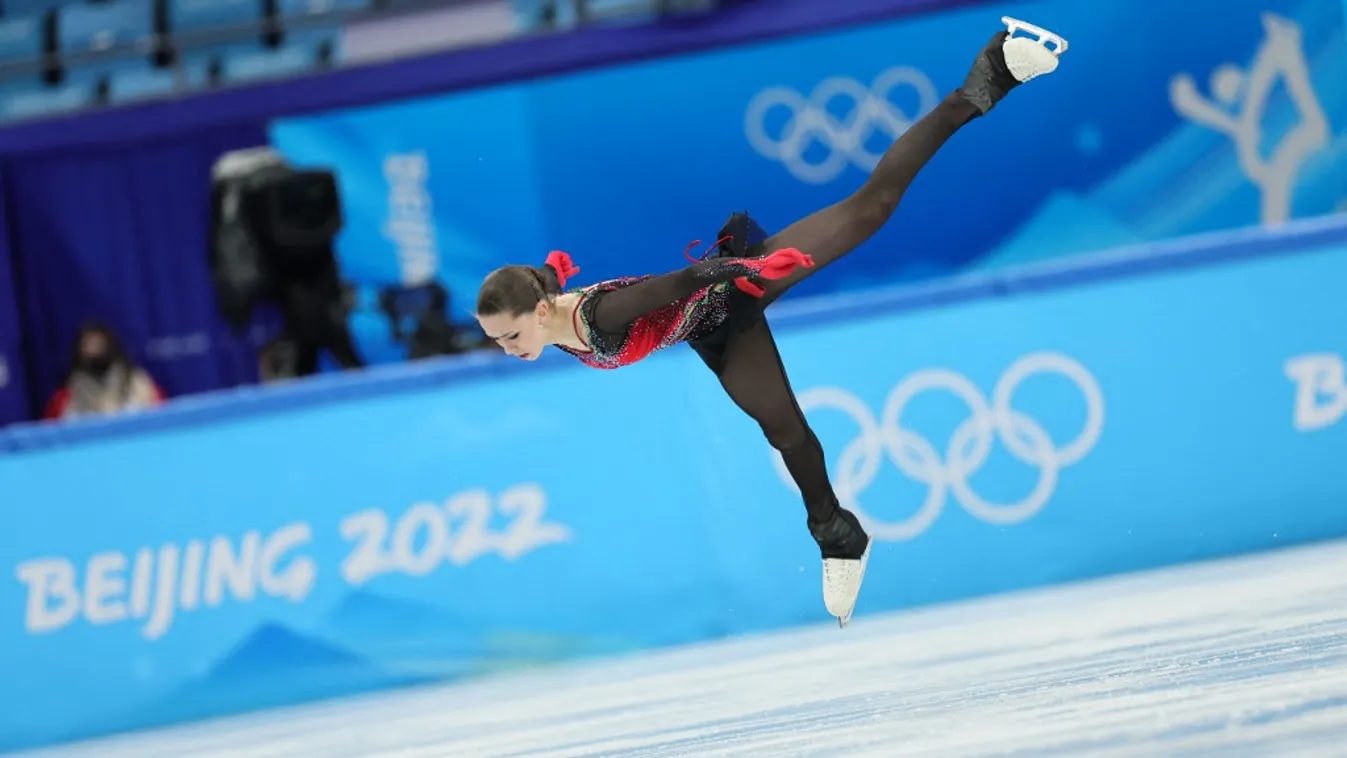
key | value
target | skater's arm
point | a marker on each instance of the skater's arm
(617, 309)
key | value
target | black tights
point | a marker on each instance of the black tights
(750, 367)
(831, 233)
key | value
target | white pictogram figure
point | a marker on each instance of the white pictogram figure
(1280, 55)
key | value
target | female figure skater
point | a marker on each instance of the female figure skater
(716, 305)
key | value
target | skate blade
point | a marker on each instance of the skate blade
(842, 621)
(1042, 36)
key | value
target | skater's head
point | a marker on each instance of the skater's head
(516, 303)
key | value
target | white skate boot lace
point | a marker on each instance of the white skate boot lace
(839, 579)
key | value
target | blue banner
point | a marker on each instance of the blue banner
(626, 165)
(448, 530)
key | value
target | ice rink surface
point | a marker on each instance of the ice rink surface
(1245, 657)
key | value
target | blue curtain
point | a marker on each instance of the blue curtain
(119, 234)
(14, 400)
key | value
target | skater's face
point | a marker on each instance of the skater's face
(523, 336)
(513, 307)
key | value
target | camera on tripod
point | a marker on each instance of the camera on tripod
(272, 229)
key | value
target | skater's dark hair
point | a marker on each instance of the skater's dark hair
(516, 290)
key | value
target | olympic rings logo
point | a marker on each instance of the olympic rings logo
(968, 449)
(809, 121)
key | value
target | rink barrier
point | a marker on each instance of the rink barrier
(1127, 411)
(1132, 261)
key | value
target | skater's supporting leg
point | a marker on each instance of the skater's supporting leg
(755, 379)
(751, 372)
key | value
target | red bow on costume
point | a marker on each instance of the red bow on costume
(774, 266)
(561, 263)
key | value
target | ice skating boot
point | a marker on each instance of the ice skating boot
(1009, 61)
(846, 551)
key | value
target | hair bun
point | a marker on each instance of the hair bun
(562, 266)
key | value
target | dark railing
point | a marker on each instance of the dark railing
(603, 41)
(167, 45)
(169, 49)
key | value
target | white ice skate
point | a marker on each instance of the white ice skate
(1027, 58)
(842, 584)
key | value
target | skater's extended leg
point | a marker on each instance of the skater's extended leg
(831, 233)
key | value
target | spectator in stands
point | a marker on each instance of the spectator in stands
(103, 379)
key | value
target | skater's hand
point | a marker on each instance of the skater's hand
(780, 263)
(774, 266)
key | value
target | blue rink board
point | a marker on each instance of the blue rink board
(1238, 657)
(250, 550)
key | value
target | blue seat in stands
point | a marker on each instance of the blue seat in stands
(197, 15)
(28, 7)
(533, 15)
(129, 81)
(530, 14)
(297, 8)
(20, 38)
(301, 52)
(98, 26)
(622, 7)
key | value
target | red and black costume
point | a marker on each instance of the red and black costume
(624, 320)
(716, 304)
